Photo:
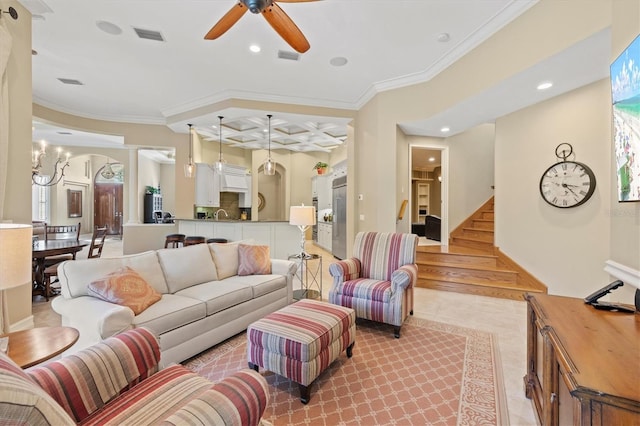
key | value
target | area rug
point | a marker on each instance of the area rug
(435, 374)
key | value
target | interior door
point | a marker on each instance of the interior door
(108, 207)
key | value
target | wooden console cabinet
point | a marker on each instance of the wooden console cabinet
(583, 364)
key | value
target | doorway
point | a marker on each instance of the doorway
(428, 194)
(107, 199)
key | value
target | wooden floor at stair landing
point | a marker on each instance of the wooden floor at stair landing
(472, 264)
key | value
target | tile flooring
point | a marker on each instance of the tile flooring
(505, 318)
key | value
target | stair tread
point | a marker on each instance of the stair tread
(455, 251)
(467, 266)
(475, 240)
(467, 281)
(479, 230)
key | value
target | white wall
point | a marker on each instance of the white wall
(564, 248)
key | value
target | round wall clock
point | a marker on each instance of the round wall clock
(567, 183)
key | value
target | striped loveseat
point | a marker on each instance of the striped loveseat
(377, 282)
(117, 382)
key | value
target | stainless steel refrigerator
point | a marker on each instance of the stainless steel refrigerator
(339, 229)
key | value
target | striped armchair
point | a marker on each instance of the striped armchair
(117, 382)
(377, 282)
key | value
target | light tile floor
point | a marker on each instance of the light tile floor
(506, 319)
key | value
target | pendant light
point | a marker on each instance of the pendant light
(269, 165)
(107, 172)
(189, 168)
(220, 163)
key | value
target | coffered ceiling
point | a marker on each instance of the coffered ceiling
(90, 60)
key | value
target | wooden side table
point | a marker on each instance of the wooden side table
(30, 347)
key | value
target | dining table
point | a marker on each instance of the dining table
(47, 248)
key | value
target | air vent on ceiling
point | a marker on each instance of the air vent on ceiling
(292, 56)
(71, 81)
(149, 34)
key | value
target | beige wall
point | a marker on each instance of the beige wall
(565, 248)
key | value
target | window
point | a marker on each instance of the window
(40, 196)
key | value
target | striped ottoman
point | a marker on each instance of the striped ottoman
(300, 340)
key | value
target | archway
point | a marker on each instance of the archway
(273, 190)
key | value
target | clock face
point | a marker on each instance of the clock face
(567, 184)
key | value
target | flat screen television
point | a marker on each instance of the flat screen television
(625, 94)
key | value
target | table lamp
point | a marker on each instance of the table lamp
(303, 217)
(15, 257)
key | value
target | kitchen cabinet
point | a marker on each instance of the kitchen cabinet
(207, 186)
(325, 231)
(582, 363)
(321, 189)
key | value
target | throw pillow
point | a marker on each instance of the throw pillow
(225, 256)
(253, 260)
(127, 288)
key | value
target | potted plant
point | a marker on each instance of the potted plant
(320, 167)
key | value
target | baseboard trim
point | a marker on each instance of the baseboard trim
(23, 324)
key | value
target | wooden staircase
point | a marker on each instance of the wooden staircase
(472, 264)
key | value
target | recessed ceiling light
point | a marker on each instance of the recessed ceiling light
(109, 28)
(544, 85)
(443, 37)
(444, 129)
(339, 61)
(432, 159)
(254, 48)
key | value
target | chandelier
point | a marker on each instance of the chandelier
(58, 168)
(269, 165)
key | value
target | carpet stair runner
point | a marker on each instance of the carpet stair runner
(473, 264)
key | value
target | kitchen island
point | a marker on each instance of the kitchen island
(283, 239)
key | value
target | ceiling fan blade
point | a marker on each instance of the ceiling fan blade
(284, 26)
(226, 22)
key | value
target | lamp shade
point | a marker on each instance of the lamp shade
(302, 215)
(15, 255)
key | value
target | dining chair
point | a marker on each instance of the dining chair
(61, 232)
(97, 242)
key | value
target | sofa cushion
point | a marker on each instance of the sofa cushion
(260, 284)
(22, 401)
(225, 257)
(187, 266)
(171, 312)
(220, 295)
(253, 260)
(127, 288)
(76, 275)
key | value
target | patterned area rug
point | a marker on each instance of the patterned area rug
(435, 374)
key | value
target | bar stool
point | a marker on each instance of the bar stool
(174, 240)
(217, 240)
(191, 240)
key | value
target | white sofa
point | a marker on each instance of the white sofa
(203, 300)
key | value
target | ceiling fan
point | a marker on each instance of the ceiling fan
(274, 15)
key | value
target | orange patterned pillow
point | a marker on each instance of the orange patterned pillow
(253, 260)
(127, 288)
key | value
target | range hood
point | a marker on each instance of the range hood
(234, 179)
